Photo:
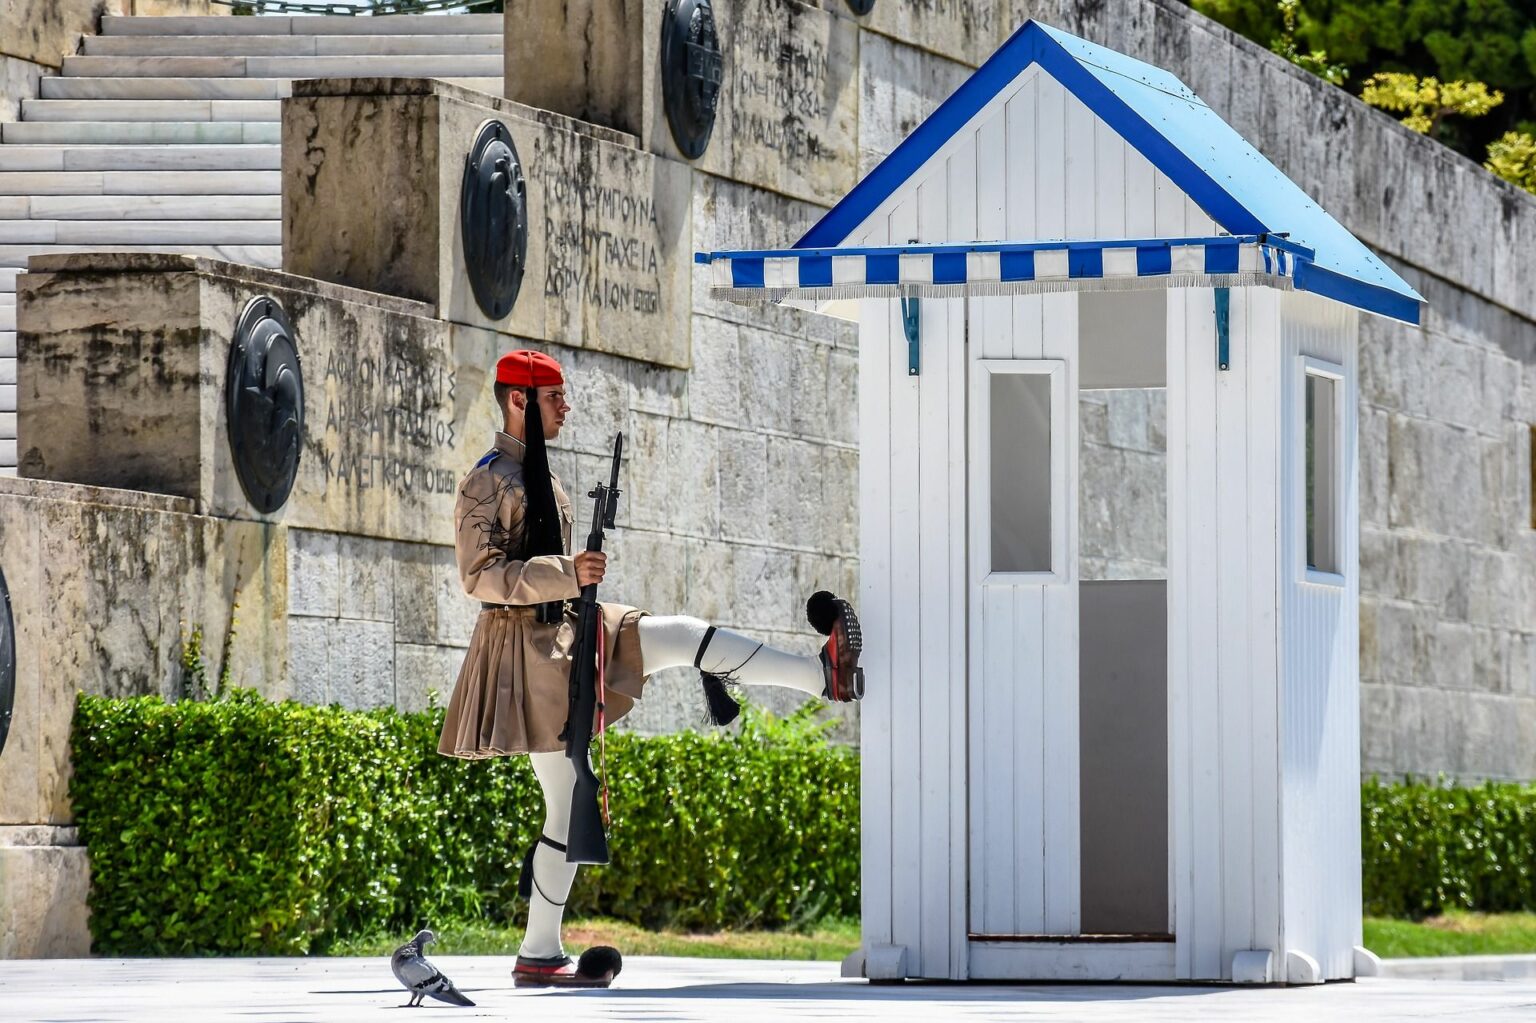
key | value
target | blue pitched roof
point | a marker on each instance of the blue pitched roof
(1181, 136)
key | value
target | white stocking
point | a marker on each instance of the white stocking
(672, 641)
(552, 875)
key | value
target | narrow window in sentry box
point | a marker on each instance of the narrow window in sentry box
(1322, 455)
(1021, 472)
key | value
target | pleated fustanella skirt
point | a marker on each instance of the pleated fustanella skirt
(513, 692)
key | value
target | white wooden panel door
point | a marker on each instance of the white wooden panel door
(1023, 665)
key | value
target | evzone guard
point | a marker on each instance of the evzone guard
(514, 694)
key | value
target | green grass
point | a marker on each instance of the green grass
(1455, 934)
(830, 939)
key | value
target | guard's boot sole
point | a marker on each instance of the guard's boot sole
(564, 979)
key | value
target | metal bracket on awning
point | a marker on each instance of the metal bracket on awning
(910, 326)
(1223, 328)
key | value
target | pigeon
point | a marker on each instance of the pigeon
(419, 976)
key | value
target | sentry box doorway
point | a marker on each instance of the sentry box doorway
(1073, 769)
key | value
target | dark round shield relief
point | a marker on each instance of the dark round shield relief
(265, 404)
(493, 211)
(691, 69)
(7, 661)
(861, 7)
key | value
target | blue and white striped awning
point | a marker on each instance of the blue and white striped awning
(1004, 268)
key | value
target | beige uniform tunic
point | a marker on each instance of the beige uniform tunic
(513, 694)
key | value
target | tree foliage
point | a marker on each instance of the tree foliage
(1513, 158)
(1426, 102)
(1315, 61)
(1488, 41)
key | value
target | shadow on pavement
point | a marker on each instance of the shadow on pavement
(911, 991)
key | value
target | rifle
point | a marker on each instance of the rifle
(587, 842)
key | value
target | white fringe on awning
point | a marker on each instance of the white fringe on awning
(994, 289)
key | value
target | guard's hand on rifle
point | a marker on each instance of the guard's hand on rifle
(590, 566)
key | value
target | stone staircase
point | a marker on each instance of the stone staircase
(163, 135)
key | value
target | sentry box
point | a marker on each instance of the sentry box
(1071, 772)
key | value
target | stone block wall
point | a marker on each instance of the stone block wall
(105, 586)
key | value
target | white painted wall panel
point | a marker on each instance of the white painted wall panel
(907, 731)
(966, 212)
(1059, 643)
(878, 326)
(1319, 683)
(1223, 472)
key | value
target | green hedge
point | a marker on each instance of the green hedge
(1429, 847)
(248, 826)
(243, 825)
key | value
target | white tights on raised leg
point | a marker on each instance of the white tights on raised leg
(672, 641)
(552, 876)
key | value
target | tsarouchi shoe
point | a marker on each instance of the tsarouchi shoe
(833, 617)
(596, 968)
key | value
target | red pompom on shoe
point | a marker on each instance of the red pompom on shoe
(821, 611)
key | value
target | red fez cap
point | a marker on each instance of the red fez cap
(527, 368)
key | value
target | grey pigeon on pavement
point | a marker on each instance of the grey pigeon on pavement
(419, 976)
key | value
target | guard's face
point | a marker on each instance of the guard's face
(552, 410)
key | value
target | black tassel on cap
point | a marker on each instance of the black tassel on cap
(821, 611)
(723, 708)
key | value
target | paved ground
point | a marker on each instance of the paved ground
(656, 990)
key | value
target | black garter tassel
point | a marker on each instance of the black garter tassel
(723, 708)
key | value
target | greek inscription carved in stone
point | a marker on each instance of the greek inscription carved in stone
(265, 404)
(607, 253)
(395, 404)
(780, 80)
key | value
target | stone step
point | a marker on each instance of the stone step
(7, 424)
(127, 133)
(141, 183)
(142, 157)
(8, 324)
(133, 233)
(8, 402)
(151, 110)
(8, 276)
(270, 256)
(141, 207)
(395, 24)
(407, 66)
(55, 87)
(287, 45)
